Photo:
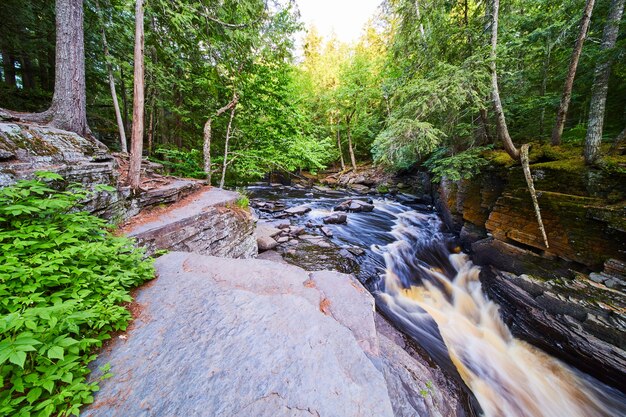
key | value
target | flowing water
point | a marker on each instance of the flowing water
(432, 293)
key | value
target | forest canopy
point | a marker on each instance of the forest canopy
(414, 89)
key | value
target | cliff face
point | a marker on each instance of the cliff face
(567, 299)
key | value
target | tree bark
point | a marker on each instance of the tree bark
(561, 114)
(116, 104)
(503, 131)
(134, 172)
(343, 163)
(206, 148)
(601, 84)
(544, 84)
(350, 149)
(28, 73)
(8, 65)
(124, 99)
(618, 140)
(228, 130)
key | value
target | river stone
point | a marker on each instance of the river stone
(354, 206)
(298, 210)
(336, 218)
(219, 337)
(265, 243)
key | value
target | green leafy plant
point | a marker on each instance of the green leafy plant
(63, 279)
(187, 164)
(463, 165)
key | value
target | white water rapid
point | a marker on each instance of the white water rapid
(427, 284)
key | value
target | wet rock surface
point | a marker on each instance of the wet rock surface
(243, 350)
(579, 320)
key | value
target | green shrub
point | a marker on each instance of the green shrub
(63, 277)
(186, 164)
(463, 165)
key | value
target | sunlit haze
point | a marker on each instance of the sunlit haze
(344, 17)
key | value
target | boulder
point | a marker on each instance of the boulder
(265, 243)
(327, 232)
(354, 206)
(336, 218)
(298, 210)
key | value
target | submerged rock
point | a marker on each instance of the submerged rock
(355, 206)
(336, 218)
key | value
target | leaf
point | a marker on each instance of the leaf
(33, 394)
(18, 358)
(56, 352)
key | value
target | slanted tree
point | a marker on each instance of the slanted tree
(561, 114)
(600, 87)
(226, 142)
(134, 171)
(207, 137)
(502, 128)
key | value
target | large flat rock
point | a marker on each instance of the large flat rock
(206, 222)
(223, 337)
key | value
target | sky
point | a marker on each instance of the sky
(345, 17)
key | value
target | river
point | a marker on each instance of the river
(430, 290)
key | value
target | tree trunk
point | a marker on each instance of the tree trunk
(9, 69)
(484, 122)
(134, 172)
(618, 140)
(561, 114)
(419, 17)
(503, 131)
(124, 100)
(151, 125)
(228, 130)
(544, 84)
(28, 73)
(601, 84)
(116, 104)
(343, 163)
(69, 102)
(350, 149)
(206, 148)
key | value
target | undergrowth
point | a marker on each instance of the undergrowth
(63, 279)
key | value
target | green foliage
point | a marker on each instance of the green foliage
(186, 164)
(63, 278)
(463, 165)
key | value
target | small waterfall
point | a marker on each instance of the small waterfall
(435, 296)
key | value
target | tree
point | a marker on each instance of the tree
(116, 105)
(561, 114)
(134, 171)
(503, 130)
(68, 110)
(207, 137)
(601, 83)
(225, 162)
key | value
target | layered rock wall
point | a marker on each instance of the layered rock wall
(551, 296)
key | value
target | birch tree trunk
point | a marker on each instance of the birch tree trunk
(503, 131)
(601, 84)
(350, 148)
(228, 130)
(343, 163)
(134, 172)
(561, 114)
(206, 148)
